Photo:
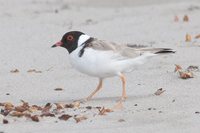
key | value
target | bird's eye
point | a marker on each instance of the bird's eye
(70, 37)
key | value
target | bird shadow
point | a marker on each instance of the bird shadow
(116, 98)
(103, 99)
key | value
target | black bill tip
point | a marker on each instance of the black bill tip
(54, 46)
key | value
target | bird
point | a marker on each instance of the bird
(103, 59)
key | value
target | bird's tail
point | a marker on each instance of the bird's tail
(164, 51)
(157, 50)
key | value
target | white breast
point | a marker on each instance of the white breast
(103, 64)
(92, 62)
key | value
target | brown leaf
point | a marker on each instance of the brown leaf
(58, 89)
(186, 75)
(68, 106)
(159, 92)
(36, 107)
(185, 18)
(5, 121)
(34, 71)
(183, 74)
(20, 109)
(48, 114)
(59, 106)
(47, 107)
(16, 114)
(27, 115)
(103, 111)
(80, 118)
(188, 38)
(35, 118)
(177, 68)
(14, 71)
(64, 117)
(197, 36)
(75, 104)
(25, 104)
(8, 106)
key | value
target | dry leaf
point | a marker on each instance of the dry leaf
(64, 117)
(103, 111)
(20, 109)
(25, 104)
(192, 68)
(186, 75)
(14, 71)
(68, 106)
(48, 114)
(59, 106)
(159, 92)
(197, 36)
(185, 18)
(35, 107)
(47, 107)
(177, 68)
(35, 118)
(33, 70)
(80, 118)
(8, 106)
(176, 19)
(75, 104)
(5, 121)
(58, 89)
(27, 115)
(16, 114)
(183, 74)
(188, 38)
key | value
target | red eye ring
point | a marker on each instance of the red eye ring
(70, 38)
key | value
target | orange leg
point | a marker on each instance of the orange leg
(119, 104)
(123, 78)
(96, 90)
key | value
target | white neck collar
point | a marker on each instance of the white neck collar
(82, 39)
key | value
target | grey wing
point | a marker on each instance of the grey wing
(121, 51)
(102, 45)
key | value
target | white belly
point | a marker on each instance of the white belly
(103, 63)
(94, 63)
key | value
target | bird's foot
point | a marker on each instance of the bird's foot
(123, 98)
(88, 98)
(118, 106)
(84, 100)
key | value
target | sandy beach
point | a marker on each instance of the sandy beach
(30, 27)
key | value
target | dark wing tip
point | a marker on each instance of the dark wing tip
(165, 50)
